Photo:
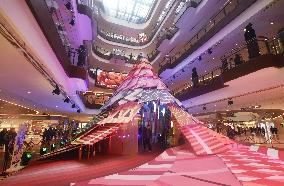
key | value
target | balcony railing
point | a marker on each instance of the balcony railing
(233, 61)
(136, 42)
(94, 100)
(107, 55)
(223, 17)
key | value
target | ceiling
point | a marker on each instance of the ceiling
(135, 11)
(21, 83)
(267, 92)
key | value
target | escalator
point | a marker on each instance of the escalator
(84, 134)
(98, 133)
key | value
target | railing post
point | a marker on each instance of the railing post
(212, 74)
(80, 153)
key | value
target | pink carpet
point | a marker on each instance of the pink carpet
(175, 166)
(254, 168)
(64, 172)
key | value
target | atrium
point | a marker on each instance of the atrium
(142, 92)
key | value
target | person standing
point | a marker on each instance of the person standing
(2, 134)
(9, 140)
(194, 77)
(147, 135)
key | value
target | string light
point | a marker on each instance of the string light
(37, 112)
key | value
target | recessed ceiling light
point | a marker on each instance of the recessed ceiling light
(28, 92)
(56, 106)
(271, 23)
(215, 105)
(236, 44)
(213, 58)
(112, 69)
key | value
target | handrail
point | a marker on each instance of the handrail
(132, 43)
(210, 27)
(153, 31)
(271, 46)
(109, 55)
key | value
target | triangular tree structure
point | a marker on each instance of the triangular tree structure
(143, 85)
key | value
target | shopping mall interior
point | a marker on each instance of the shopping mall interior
(142, 92)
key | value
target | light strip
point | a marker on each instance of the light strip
(37, 112)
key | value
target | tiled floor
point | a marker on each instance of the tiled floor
(64, 172)
(176, 166)
(254, 168)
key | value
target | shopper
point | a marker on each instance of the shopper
(194, 77)
(224, 65)
(237, 60)
(147, 135)
(2, 134)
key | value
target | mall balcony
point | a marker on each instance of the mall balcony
(235, 65)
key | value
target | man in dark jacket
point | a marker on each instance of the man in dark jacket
(147, 135)
(2, 134)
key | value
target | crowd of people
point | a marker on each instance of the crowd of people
(231, 63)
(247, 131)
(53, 133)
(7, 137)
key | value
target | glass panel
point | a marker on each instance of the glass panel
(136, 11)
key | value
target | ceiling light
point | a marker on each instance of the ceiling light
(72, 22)
(245, 30)
(28, 92)
(56, 106)
(271, 23)
(56, 90)
(236, 44)
(66, 100)
(68, 6)
(209, 51)
(213, 58)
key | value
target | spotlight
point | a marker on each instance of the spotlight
(73, 105)
(78, 110)
(43, 150)
(68, 6)
(199, 58)
(72, 22)
(209, 51)
(66, 100)
(53, 146)
(230, 102)
(62, 143)
(60, 28)
(56, 90)
(26, 157)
